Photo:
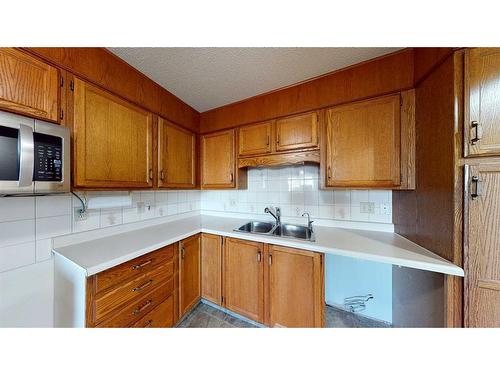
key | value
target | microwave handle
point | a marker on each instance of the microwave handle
(27, 161)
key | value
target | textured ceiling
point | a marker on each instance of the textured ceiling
(207, 78)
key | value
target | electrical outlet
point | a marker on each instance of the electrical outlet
(78, 215)
(385, 208)
(367, 207)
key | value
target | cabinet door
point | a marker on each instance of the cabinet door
(363, 144)
(176, 156)
(244, 278)
(218, 160)
(482, 101)
(482, 255)
(255, 139)
(189, 273)
(211, 268)
(28, 85)
(112, 140)
(297, 132)
(296, 297)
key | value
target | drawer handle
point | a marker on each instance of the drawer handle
(139, 266)
(138, 310)
(148, 324)
(138, 288)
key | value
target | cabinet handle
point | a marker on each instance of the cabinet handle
(139, 266)
(140, 287)
(329, 174)
(138, 310)
(277, 138)
(148, 324)
(268, 140)
(270, 259)
(478, 132)
(259, 256)
(231, 176)
(477, 191)
(162, 175)
(150, 173)
(183, 251)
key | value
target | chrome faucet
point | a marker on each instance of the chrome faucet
(276, 214)
(309, 222)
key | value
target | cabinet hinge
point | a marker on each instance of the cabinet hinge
(61, 116)
(72, 86)
(61, 83)
(222, 298)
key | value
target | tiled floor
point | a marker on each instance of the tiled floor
(205, 316)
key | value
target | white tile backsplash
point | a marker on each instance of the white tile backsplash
(296, 190)
(28, 224)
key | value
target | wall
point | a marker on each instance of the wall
(27, 225)
(295, 190)
(348, 277)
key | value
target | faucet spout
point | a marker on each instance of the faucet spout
(276, 214)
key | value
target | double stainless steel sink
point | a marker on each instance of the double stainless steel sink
(298, 232)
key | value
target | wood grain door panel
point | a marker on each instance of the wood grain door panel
(113, 140)
(189, 273)
(211, 268)
(218, 160)
(255, 139)
(28, 86)
(297, 132)
(482, 101)
(363, 144)
(295, 288)
(482, 250)
(244, 278)
(176, 156)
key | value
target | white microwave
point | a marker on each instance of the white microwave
(34, 156)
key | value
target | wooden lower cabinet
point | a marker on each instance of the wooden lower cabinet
(211, 268)
(274, 285)
(189, 273)
(296, 288)
(244, 278)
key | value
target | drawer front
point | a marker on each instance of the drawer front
(161, 317)
(130, 290)
(141, 307)
(133, 268)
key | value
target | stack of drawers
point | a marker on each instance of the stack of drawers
(138, 293)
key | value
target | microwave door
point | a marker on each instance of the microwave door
(16, 157)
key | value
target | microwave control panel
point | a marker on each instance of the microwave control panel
(48, 158)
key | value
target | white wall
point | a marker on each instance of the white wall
(347, 277)
(27, 226)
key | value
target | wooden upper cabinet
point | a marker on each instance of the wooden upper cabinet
(211, 267)
(112, 141)
(255, 139)
(244, 278)
(28, 86)
(297, 132)
(296, 288)
(218, 160)
(176, 156)
(482, 101)
(482, 244)
(363, 144)
(189, 273)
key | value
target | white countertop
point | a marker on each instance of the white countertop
(99, 254)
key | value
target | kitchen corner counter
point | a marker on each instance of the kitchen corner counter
(99, 254)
